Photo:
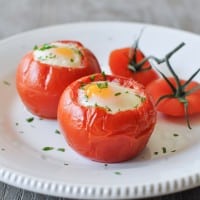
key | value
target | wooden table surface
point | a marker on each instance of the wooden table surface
(23, 15)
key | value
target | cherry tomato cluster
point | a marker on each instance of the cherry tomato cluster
(173, 95)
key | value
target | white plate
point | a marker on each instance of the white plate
(24, 164)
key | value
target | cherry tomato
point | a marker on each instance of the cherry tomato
(40, 85)
(102, 136)
(120, 64)
(173, 105)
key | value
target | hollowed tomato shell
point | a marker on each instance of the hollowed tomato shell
(41, 85)
(102, 136)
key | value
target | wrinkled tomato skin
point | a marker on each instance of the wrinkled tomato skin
(40, 85)
(99, 135)
(172, 106)
(119, 61)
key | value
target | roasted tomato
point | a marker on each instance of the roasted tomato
(106, 118)
(43, 74)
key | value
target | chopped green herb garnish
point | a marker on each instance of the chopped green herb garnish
(164, 149)
(118, 173)
(102, 85)
(41, 58)
(96, 105)
(71, 60)
(44, 47)
(127, 92)
(118, 93)
(35, 47)
(86, 97)
(173, 151)
(175, 135)
(105, 164)
(92, 77)
(17, 124)
(47, 148)
(66, 164)
(51, 56)
(30, 119)
(104, 75)
(155, 153)
(57, 131)
(108, 109)
(61, 149)
(79, 52)
(142, 99)
(82, 85)
(6, 83)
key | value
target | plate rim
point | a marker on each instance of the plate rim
(76, 23)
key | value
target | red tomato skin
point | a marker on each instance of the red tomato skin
(99, 135)
(119, 60)
(172, 106)
(40, 85)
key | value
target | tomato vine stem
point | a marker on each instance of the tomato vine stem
(179, 91)
(133, 65)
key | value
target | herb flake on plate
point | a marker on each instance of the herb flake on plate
(30, 119)
(47, 148)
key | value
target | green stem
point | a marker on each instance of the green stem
(190, 79)
(136, 44)
(179, 92)
(175, 50)
(163, 97)
(185, 103)
(173, 88)
(137, 66)
(133, 51)
(194, 89)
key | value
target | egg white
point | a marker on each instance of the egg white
(51, 57)
(120, 99)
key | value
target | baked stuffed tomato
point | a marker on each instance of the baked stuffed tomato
(43, 74)
(106, 118)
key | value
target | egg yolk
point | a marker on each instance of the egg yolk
(69, 53)
(100, 90)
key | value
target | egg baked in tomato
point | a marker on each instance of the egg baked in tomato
(106, 118)
(43, 74)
